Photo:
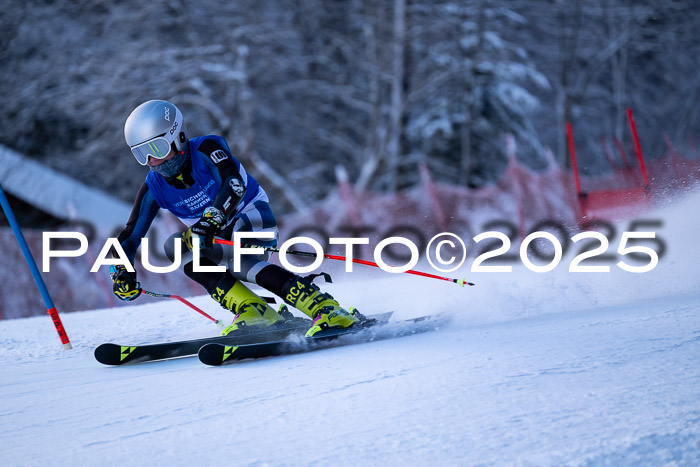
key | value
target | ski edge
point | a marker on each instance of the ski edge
(111, 354)
(214, 354)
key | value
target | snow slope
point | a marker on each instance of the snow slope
(554, 368)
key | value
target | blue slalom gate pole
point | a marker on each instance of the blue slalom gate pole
(51, 309)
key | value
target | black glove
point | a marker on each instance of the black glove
(205, 228)
(125, 286)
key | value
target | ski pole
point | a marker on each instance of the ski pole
(50, 308)
(218, 322)
(461, 282)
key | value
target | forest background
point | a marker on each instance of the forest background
(300, 87)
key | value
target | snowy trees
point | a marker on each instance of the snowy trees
(602, 56)
(469, 87)
(301, 86)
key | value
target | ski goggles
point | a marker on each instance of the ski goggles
(157, 148)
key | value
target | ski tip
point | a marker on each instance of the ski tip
(216, 354)
(104, 353)
(463, 282)
(113, 354)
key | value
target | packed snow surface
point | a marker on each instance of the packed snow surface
(534, 369)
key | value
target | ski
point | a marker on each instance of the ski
(216, 354)
(117, 354)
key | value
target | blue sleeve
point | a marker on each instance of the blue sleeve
(144, 211)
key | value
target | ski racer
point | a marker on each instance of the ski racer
(206, 187)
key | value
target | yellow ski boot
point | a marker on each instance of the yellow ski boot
(325, 311)
(248, 308)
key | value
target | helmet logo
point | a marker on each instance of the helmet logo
(167, 113)
(174, 127)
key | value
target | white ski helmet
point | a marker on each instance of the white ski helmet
(153, 128)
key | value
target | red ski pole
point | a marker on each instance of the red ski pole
(218, 322)
(461, 282)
